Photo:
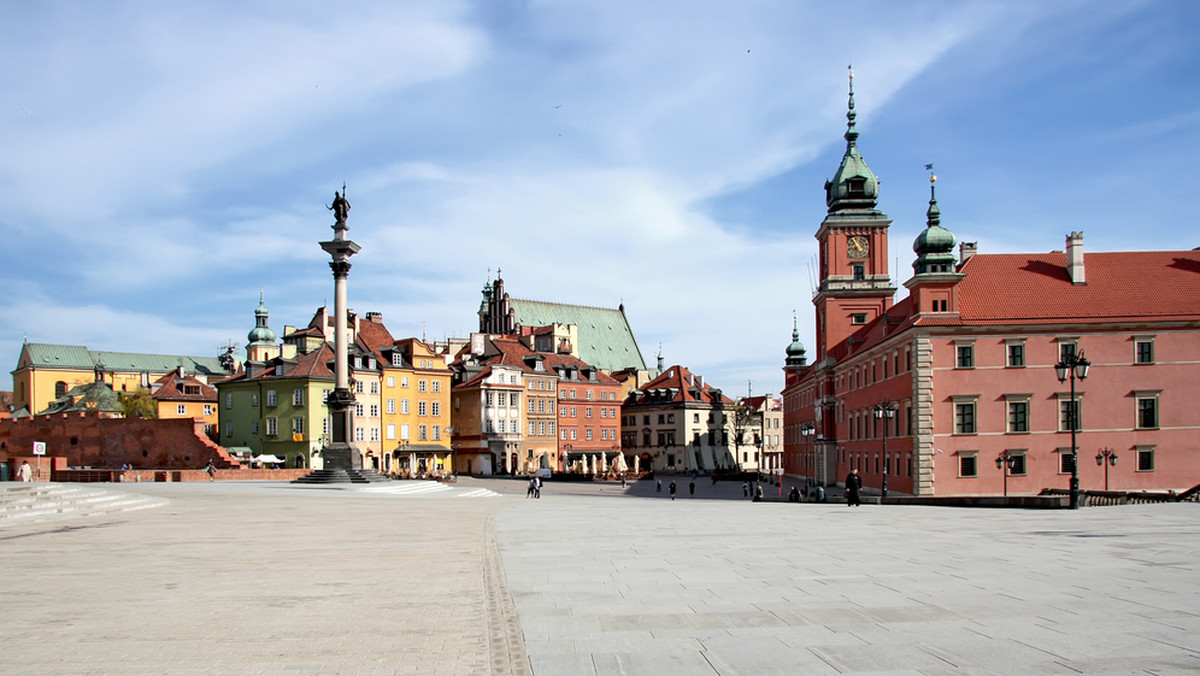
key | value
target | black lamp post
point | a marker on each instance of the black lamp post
(1006, 461)
(885, 411)
(1106, 457)
(1073, 367)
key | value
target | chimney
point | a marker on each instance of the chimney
(288, 350)
(966, 250)
(1075, 258)
(700, 380)
(375, 317)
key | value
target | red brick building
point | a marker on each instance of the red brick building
(957, 381)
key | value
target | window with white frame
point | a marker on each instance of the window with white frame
(1143, 350)
(1066, 461)
(270, 397)
(1016, 353)
(1067, 348)
(422, 408)
(254, 427)
(435, 409)
(391, 381)
(512, 426)
(1147, 409)
(1145, 458)
(404, 436)
(404, 381)
(298, 425)
(391, 406)
(964, 355)
(390, 431)
(1018, 413)
(437, 432)
(181, 409)
(404, 408)
(272, 427)
(360, 434)
(359, 411)
(422, 385)
(435, 385)
(374, 410)
(228, 402)
(209, 409)
(228, 428)
(374, 387)
(532, 428)
(358, 387)
(1070, 413)
(374, 434)
(968, 464)
(964, 415)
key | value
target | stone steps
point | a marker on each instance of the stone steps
(22, 503)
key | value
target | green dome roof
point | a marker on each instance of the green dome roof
(261, 333)
(795, 351)
(935, 245)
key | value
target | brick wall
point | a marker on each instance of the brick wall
(87, 440)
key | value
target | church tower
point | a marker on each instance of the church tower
(855, 286)
(261, 346)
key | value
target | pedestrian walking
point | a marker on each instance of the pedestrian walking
(745, 489)
(24, 472)
(531, 487)
(692, 488)
(537, 487)
(212, 471)
(853, 487)
(658, 486)
(672, 489)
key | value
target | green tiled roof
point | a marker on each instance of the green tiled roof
(78, 357)
(605, 339)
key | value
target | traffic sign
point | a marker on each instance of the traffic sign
(39, 448)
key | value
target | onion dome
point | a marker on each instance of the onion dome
(261, 333)
(854, 185)
(795, 351)
(935, 245)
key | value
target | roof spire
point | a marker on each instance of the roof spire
(934, 215)
(851, 132)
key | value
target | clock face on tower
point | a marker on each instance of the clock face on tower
(858, 247)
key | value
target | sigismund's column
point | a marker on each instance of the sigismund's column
(340, 454)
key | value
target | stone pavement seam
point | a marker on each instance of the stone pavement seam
(506, 642)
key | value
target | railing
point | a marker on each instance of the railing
(1108, 498)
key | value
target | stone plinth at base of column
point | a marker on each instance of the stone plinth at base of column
(343, 465)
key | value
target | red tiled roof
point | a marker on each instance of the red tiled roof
(684, 384)
(1121, 285)
(315, 364)
(170, 389)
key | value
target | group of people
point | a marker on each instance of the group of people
(534, 490)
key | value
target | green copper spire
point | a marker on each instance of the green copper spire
(795, 351)
(261, 333)
(854, 186)
(935, 245)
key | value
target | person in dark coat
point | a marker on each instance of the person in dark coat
(853, 486)
(692, 489)
(672, 489)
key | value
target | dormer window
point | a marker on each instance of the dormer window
(397, 359)
(856, 187)
(858, 318)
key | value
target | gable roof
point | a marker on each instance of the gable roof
(605, 339)
(170, 388)
(312, 365)
(677, 384)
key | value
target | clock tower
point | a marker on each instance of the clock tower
(855, 286)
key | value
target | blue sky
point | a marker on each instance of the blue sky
(162, 164)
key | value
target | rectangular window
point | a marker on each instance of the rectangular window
(1069, 414)
(514, 399)
(436, 385)
(298, 425)
(512, 425)
(228, 428)
(1145, 459)
(422, 408)
(436, 409)
(359, 411)
(532, 428)
(421, 385)
(1018, 416)
(587, 412)
(375, 388)
(403, 381)
(965, 356)
(550, 428)
(437, 432)
(358, 387)
(968, 465)
(181, 409)
(404, 407)
(1016, 463)
(374, 410)
(228, 402)
(254, 428)
(272, 427)
(964, 418)
(270, 397)
(572, 411)
(589, 434)
(530, 402)
(541, 429)
(404, 434)
(1066, 462)
(390, 431)
(209, 409)
(858, 318)
(1147, 412)
(859, 271)
(391, 381)
(542, 406)
(572, 434)
(391, 406)
(1144, 351)
(562, 434)
(491, 398)
(374, 434)
(1016, 355)
(1066, 351)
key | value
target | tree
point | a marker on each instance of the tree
(743, 418)
(139, 404)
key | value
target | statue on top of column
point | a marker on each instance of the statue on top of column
(340, 206)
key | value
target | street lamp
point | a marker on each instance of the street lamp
(1006, 461)
(807, 432)
(1074, 367)
(886, 411)
(1109, 455)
